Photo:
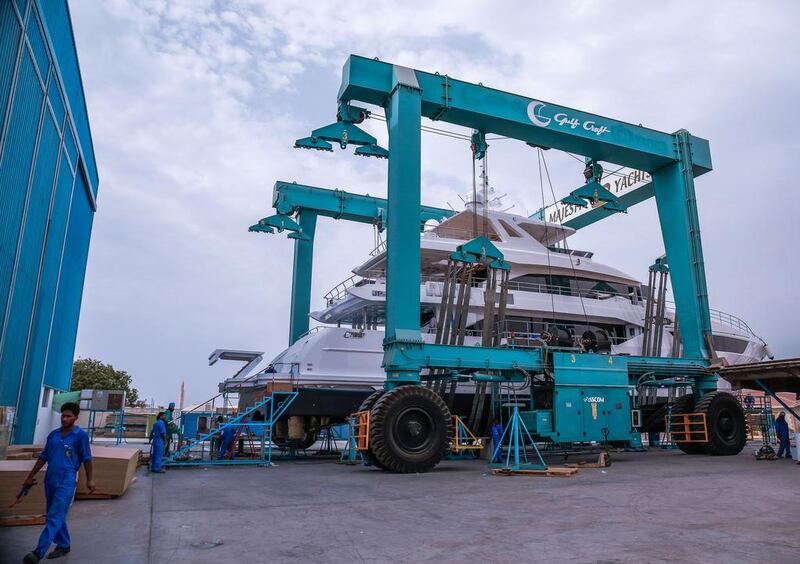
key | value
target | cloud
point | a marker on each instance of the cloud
(195, 105)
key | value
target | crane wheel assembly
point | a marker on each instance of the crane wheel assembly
(725, 421)
(410, 429)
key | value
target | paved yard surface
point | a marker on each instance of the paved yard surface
(661, 506)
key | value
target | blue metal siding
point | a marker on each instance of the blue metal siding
(37, 44)
(45, 215)
(10, 34)
(51, 266)
(56, 102)
(26, 283)
(57, 19)
(15, 169)
(70, 289)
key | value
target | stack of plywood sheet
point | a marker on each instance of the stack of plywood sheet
(113, 471)
(23, 452)
(32, 507)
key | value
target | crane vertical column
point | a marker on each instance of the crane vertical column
(677, 209)
(403, 116)
(301, 276)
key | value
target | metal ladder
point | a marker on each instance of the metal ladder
(274, 406)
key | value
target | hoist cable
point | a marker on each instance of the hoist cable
(566, 246)
(549, 278)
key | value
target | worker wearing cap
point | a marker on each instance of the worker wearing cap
(170, 426)
(64, 452)
(782, 431)
(158, 435)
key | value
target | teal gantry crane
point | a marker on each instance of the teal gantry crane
(576, 396)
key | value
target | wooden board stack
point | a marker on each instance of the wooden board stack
(23, 452)
(32, 507)
(113, 472)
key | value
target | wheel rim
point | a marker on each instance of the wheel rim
(413, 431)
(726, 425)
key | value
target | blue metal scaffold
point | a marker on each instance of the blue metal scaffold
(273, 406)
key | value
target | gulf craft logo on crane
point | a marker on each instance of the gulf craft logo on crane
(562, 119)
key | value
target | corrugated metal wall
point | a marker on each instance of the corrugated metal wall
(48, 181)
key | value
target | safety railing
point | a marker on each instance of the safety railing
(725, 319)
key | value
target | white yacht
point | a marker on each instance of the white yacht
(555, 294)
(550, 287)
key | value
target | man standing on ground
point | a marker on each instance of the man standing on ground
(66, 449)
(158, 436)
(782, 431)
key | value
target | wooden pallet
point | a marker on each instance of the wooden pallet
(21, 520)
(552, 471)
(603, 461)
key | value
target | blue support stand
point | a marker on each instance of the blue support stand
(516, 453)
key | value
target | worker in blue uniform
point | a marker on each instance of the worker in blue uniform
(228, 434)
(158, 436)
(497, 438)
(64, 452)
(782, 432)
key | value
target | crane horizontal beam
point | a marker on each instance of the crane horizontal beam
(533, 121)
(290, 197)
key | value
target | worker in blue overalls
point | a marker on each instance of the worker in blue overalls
(64, 452)
(158, 436)
(782, 432)
(228, 434)
(497, 438)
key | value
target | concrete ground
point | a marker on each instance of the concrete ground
(661, 506)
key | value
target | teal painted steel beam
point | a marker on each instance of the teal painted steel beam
(290, 197)
(520, 117)
(403, 113)
(680, 229)
(302, 270)
(416, 356)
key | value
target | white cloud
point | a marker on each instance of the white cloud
(195, 106)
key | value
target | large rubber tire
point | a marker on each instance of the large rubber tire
(367, 405)
(685, 404)
(410, 428)
(725, 422)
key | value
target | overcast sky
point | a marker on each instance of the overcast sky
(195, 105)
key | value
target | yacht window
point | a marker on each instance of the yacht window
(510, 230)
(724, 343)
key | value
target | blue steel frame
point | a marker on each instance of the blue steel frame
(673, 160)
(274, 408)
(48, 185)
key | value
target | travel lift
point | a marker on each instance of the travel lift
(575, 396)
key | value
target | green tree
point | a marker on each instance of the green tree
(91, 374)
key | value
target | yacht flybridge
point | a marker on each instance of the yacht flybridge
(556, 295)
